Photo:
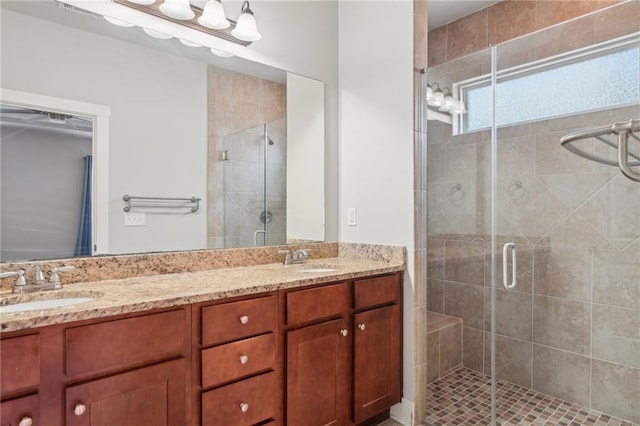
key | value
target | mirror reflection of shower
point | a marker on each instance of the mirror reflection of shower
(255, 185)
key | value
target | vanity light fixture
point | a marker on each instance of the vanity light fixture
(213, 16)
(246, 29)
(189, 43)
(118, 22)
(177, 9)
(221, 53)
(157, 34)
(443, 100)
(210, 19)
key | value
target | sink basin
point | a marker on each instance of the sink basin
(311, 270)
(45, 300)
(43, 304)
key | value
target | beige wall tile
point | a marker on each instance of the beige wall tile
(473, 348)
(617, 21)
(562, 324)
(464, 261)
(616, 335)
(615, 389)
(513, 359)
(437, 42)
(615, 278)
(561, 374)
(435, 295)
(513, 313)
(465, 301)
(468, 34)
(563, 272)
(510, 19)
(433, 356)
(450, 348)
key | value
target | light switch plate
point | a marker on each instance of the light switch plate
(352, 219)
(135, 219)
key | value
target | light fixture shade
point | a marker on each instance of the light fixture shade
(144, 2)
(438, 98)
(157, 34)
(177, 9)
(213, 16)
(459, 107)
(117, 22)
(221, 53)
(246, 28)
(429, 94)
(189, 43)
(448, 104)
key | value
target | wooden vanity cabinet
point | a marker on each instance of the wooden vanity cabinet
(20, 380)
(235, 362)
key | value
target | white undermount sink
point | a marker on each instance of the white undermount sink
(43, 304)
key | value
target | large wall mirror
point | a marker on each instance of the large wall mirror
(92, 112)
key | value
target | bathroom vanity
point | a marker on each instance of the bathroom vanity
(257, 345)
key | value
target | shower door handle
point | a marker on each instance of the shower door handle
(509, 247)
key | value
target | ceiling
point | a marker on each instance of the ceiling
(441, 12)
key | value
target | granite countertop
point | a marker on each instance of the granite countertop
(138, 294)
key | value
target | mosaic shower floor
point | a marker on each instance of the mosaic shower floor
(463, 397)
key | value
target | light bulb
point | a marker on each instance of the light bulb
(447, 104)
(177, 9)
(213, 16)
(221, 53)
(246, 28)
(189, 43)
(157, 34)
(438, 98)
(117, 22)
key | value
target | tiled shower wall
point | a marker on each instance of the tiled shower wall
(571, 327)
(236, 102)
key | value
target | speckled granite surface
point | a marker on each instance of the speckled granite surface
(161, 290)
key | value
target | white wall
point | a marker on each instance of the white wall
(376, 135)
(150, 114)
(305, 158)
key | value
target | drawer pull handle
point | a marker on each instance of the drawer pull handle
(344, 332)
(244, 407)
(244, 319)
(362, 327)
(244, 359)
(79, 409)
(25, 421)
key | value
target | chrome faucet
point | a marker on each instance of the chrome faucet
(39, 283)
(298, 256)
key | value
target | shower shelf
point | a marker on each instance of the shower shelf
(615, 135)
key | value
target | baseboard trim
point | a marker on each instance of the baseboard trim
(403, 412)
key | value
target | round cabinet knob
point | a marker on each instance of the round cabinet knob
(344, 332)
(25, 421)
(244, 407)
(79, 409)
(244, 319)
(244, 359)
(362, 327)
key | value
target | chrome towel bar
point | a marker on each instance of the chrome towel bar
(161, 202)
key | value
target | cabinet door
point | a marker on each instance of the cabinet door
(377, 372)
(20, 411)
(318, 374)
(153, 396)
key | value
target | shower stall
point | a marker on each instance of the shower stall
(533, 230)
(254, 162)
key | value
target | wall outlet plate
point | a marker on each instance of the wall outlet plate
(352, 218)
(135, 219)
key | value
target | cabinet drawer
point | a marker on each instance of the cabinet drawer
(20, 363)
(316, 303)
(236, 320)
(226, 405)
(127, 342)
(233, 360)
(14, 410)
(376, 291)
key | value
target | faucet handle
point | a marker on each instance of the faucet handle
(287, 256)
(38, 276)
(20, 273)
(55, 276)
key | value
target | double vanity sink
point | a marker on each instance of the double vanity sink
(111, 297)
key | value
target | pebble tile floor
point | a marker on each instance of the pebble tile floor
(463, 397)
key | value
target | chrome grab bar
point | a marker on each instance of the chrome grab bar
(509, 247)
